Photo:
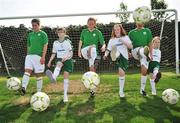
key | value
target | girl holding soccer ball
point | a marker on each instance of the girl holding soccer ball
(118, 49)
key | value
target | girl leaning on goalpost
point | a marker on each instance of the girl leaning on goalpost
(118, 47)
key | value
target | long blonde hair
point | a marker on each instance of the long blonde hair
(123, 32)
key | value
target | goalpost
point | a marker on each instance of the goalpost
(13, 39)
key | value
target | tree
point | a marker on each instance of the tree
(124, 18)
(158, 4)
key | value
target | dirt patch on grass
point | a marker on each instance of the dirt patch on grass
(22, 101)
(85, 110)
(75, 87)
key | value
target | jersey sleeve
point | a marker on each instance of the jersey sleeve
(82, 36)
(28, 41)
(45, 37)
(130, 35)
(109, 45)
(54, 50)
(70, 47)
(127, 39)
(101, 39)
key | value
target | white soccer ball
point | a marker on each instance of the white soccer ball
(13, 83)
(170, 96)
(90, 80)
(142, 14)
(39, 101)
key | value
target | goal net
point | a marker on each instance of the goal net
(14, 31)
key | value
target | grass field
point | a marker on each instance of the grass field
(106, 107)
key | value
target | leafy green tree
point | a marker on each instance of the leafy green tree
(158, 4)
(124, 18)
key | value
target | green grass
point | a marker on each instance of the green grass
(106, 107)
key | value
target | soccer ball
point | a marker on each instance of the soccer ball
(142, 14)
(90, 80)
(13, 83)
(170, 96)
(39, 101)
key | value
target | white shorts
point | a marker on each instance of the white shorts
(143, 61)
(33, 62)
(93, 53)
(135, 53)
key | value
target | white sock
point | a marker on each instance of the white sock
(155, 73)
(56, 72)
(91, 61)
(143, 82)
(39, 84)
(66, 81)
(121, 84)
(153, 88)
(25, 80)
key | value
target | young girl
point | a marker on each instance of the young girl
(154, 65)
(63, 49)
(89, 42)
(118, 48)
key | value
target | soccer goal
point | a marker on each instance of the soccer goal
(14, 30)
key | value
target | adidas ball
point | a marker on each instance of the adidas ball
(13, 83)
(170, 96)
(142, 14)
(90, 80)
(39, 101)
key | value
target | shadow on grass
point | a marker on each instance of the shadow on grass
(9, 112)
(46, 116)
(159, 111)
(81, 113)
(152, 110)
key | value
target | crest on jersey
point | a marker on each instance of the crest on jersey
(39, 34)
(94, 34)
(144, 33)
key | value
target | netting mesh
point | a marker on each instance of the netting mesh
(14, 39)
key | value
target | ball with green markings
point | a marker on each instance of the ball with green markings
(170, 96)
(142, 14)
(39, 101)
(90, 80)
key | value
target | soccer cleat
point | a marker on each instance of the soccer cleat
(92, 94)
(113, 53)
(23, 91)
(154, 93)
(143, 93)
(121, 95)
(49, 74)
(65, 99)
(158, 76)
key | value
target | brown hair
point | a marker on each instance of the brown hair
(156, 38)
(92, 19)
(123, 32)
(61, 29)
(35, 21)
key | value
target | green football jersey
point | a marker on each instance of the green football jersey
(140, 37)
(89, 38)
(36, 42)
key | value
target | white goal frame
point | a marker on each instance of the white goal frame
(112, 13)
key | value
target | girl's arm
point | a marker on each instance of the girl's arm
(50, 60)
